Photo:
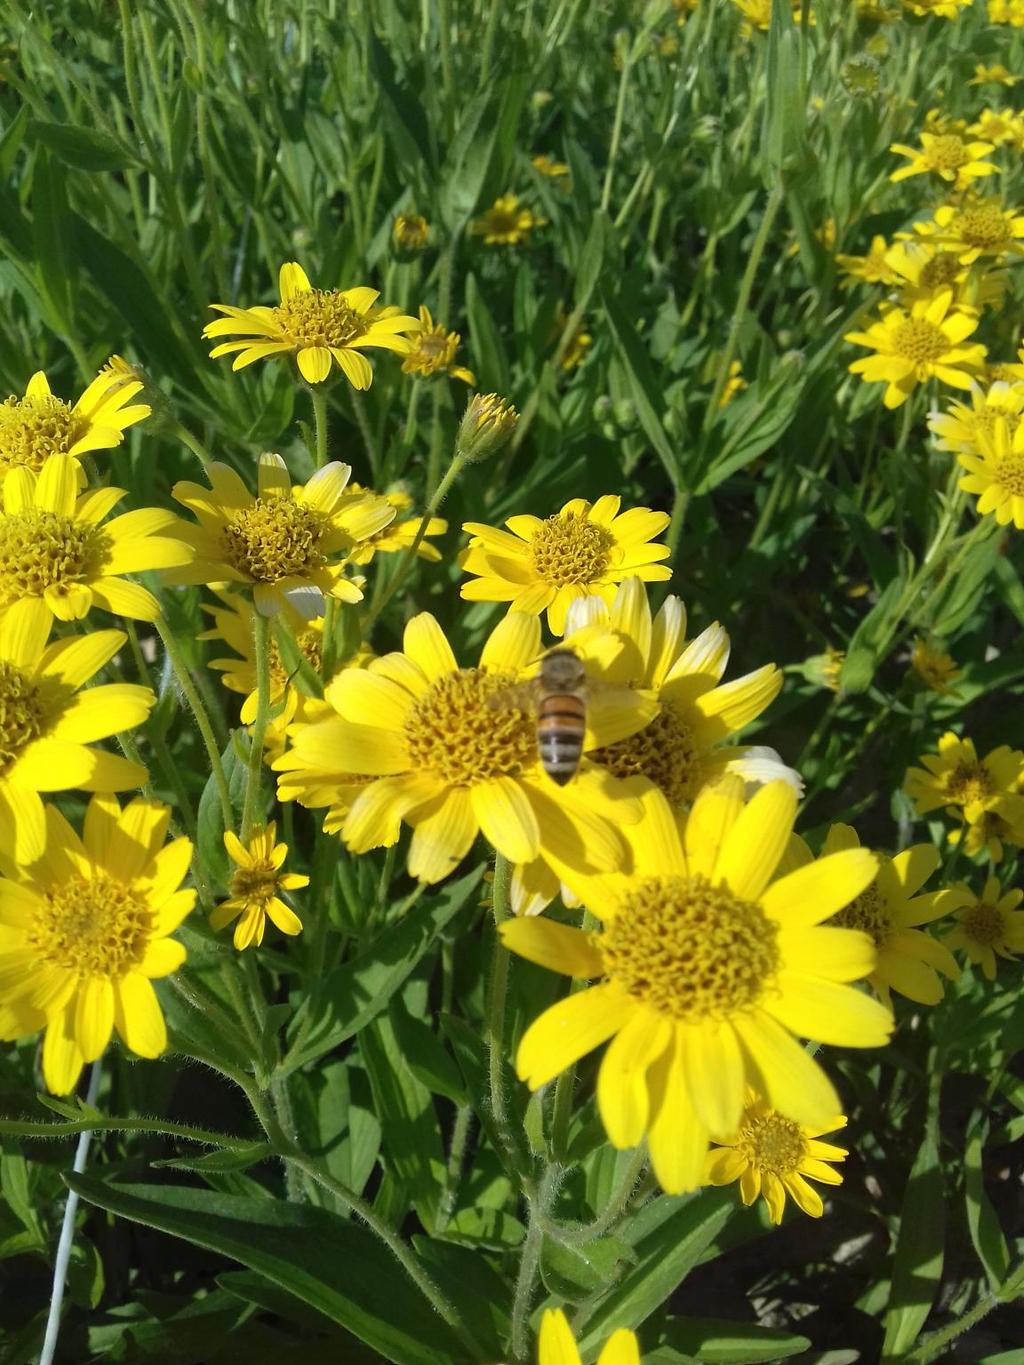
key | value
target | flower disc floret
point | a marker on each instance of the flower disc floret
(456, 730)
(275, 538)
(868, 913)
(40, 550)
(568, 549)
(22, 712)
(690, 949)
(93, 926)
(665, 751)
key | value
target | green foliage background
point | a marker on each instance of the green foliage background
(160, 156)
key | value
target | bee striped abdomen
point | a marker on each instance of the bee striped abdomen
(561, 725)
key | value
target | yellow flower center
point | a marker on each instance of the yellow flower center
(40, 550)
(983, 226)
(968, 782)
(773, 1143)
(22, 713)
(1010, 473)
(463, 731)
(570, 549)
(942, 270)
(663, 751)
(275, 538)
(919, 340)
(254, 885)
(947, 153)
(319, 317)
(33, 428)
(689, 949)
(868, 913)
(983, 923)
(94, 926)
(502, 222)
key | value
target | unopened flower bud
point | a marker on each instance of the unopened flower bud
(410, 233)
(488, 423)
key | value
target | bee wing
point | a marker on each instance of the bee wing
(520, 696)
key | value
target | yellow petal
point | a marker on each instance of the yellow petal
(506, 818)
(786, 1074)
(755, 845)
(443, 833)
(715, 811)
(559, 947)
(829, 1012)
(621, 1349)
(292, 280)
(556, 1342)
(815, 892)
(622, 1095)
(714, 1074)
(314, 363)
(137, 1016)
(94, 1016)
(677, 1139)
(426, 644)
(62, 1058)
(568, 1030)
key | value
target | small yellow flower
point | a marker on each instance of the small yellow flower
(49, 722)
(56, 551)
(984, 794)
(947, 155)
(86, 930)
(988, 925)
(922, 264)
(1006, 12)
(996, 472)
(40, 424)
(707, 967)
(411, 232)
(318, 326)
(961, 427)
(772, 1156)
(979, 227)
(487, 425)
(557, 1346)
(584, 550)
(506, 222)
(547, 166)
(434, 350)
(400, 534)
(934, 667)
(942, 9)
(1003, 127)
(826, 669)
(891, 913)
(924, 343)
(734, 384)
(287, 544)
(453, 752)
(757, 14)
(996, 74)
(876, 12)
(255, 888)
(872, 268)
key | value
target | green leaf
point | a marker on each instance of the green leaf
(489, 359)
(332, 1263)
(753, 424)
(404, 115)
(715, 1341)
(85, 1275)
(986, 1233)
(54, 240)
(16, 1189)
(89, 149)
(785, 110)
(574, 1272)
(210, 822)
(229, 1159)
(917, 1266)
(356, 992)
(425, 1055)
(871, 639)
(665, 1255)
(591, 259)
(646, 391)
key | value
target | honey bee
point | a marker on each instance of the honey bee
(558, 697)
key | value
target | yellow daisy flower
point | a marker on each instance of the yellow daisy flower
(706, 969)
(913, 347)
(398, 535)
(411, 232)
(1006, 12)
(988, 925)
(255, 888)
(947, 155)
(453, 752)
(233, 623)
(996, 74)
(942, 9)
(996, 473)
(506, 222)
(548, 166)
(1003, 127)
(979, 227)
(557, 1345)
(48, 725)
(872, 268)
(86, 930)
(582, 551)
(772, 1156)
(56, 552)
(921, 267)
(40, 424)
(757, 14)
(891, 913)
(961, 426)
(288, 543)
(984, 794)
(934, 667)
(875, 12)
(433, 351)
(317, 326)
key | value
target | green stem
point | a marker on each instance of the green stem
(589, 1232)
(497, 996)
(453, 1171)
(529, 1263)
(318, 394)
(195, 701)
(258, 731)
(139, 659)
(194, 444)
(771, 210)
(613, 150)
